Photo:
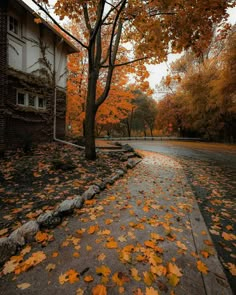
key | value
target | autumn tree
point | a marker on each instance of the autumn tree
(154, 28)
(204, 99)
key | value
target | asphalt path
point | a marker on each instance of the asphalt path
(211, 172)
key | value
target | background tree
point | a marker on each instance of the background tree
(153, 27)
(203, 102)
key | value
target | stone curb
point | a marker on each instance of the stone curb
(50, 219)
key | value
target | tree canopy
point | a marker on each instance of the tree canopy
(152, 28)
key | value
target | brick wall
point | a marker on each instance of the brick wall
(3, 68)
(25, 125)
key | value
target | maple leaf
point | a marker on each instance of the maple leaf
(181, 245)
(173, 269)
(43, 237)
(228, 237)
(92, 229)
(120, 278)
(23, 286)
(101, 257)
(99, 290)
(159, 270)
(148, 278)
(34, 259)
(55, 254)
(79, 291)
(134, 274)
(232, 268)
(50, 267)
(111, 245)
(173, 279)
(103, 270)
(88, 279)
(151, 291)
(70, 276)
(202, 267)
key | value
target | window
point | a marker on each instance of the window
(30, 100)
(13, 25)
(21, 98)
(41, 103)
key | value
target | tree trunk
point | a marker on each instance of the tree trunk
(90, 148)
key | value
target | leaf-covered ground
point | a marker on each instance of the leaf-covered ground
(144, 235)
(30, 184)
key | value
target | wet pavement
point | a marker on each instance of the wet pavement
(144, 235)
(211, 173)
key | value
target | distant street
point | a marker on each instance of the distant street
(211, 172)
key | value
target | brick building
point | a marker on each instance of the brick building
(33, 58)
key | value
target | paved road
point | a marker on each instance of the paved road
(211, 172)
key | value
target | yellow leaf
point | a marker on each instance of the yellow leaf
(99, 290)
(134, 274)
(79, 291)
(92, 229)
(76, 255)
(50, 267)
(111, 245)
(121, 290)
(70, 276)
(159, 270)
(202, 267)
(26, 250)
(108, 221)
(173, 269)
(173, 279)
(181, 245)
(104, 270)
(101, 257)
(33, 260)
(205, 254)
(151, 291)
(228, 237)
(88, 279)
(156, 237)
(148, 278)
(119, 278)
(88, 248)
(232, 268)
(23, 286)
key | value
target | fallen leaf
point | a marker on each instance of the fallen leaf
(181, 245)
(151, 291)
(148, 278)
(101, 257)
(173, 269)
(120, 278)
(92, 229)
(70, 276)
(99, 290)
(23, 286)
(232, 268)
(111, 245)
(202, 267)
(228, 237)
(134, 274)
(88, 279)
(173, 279)
(50, 267)
(103, 270)
(79, 291)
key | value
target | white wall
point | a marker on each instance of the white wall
(24, 50)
